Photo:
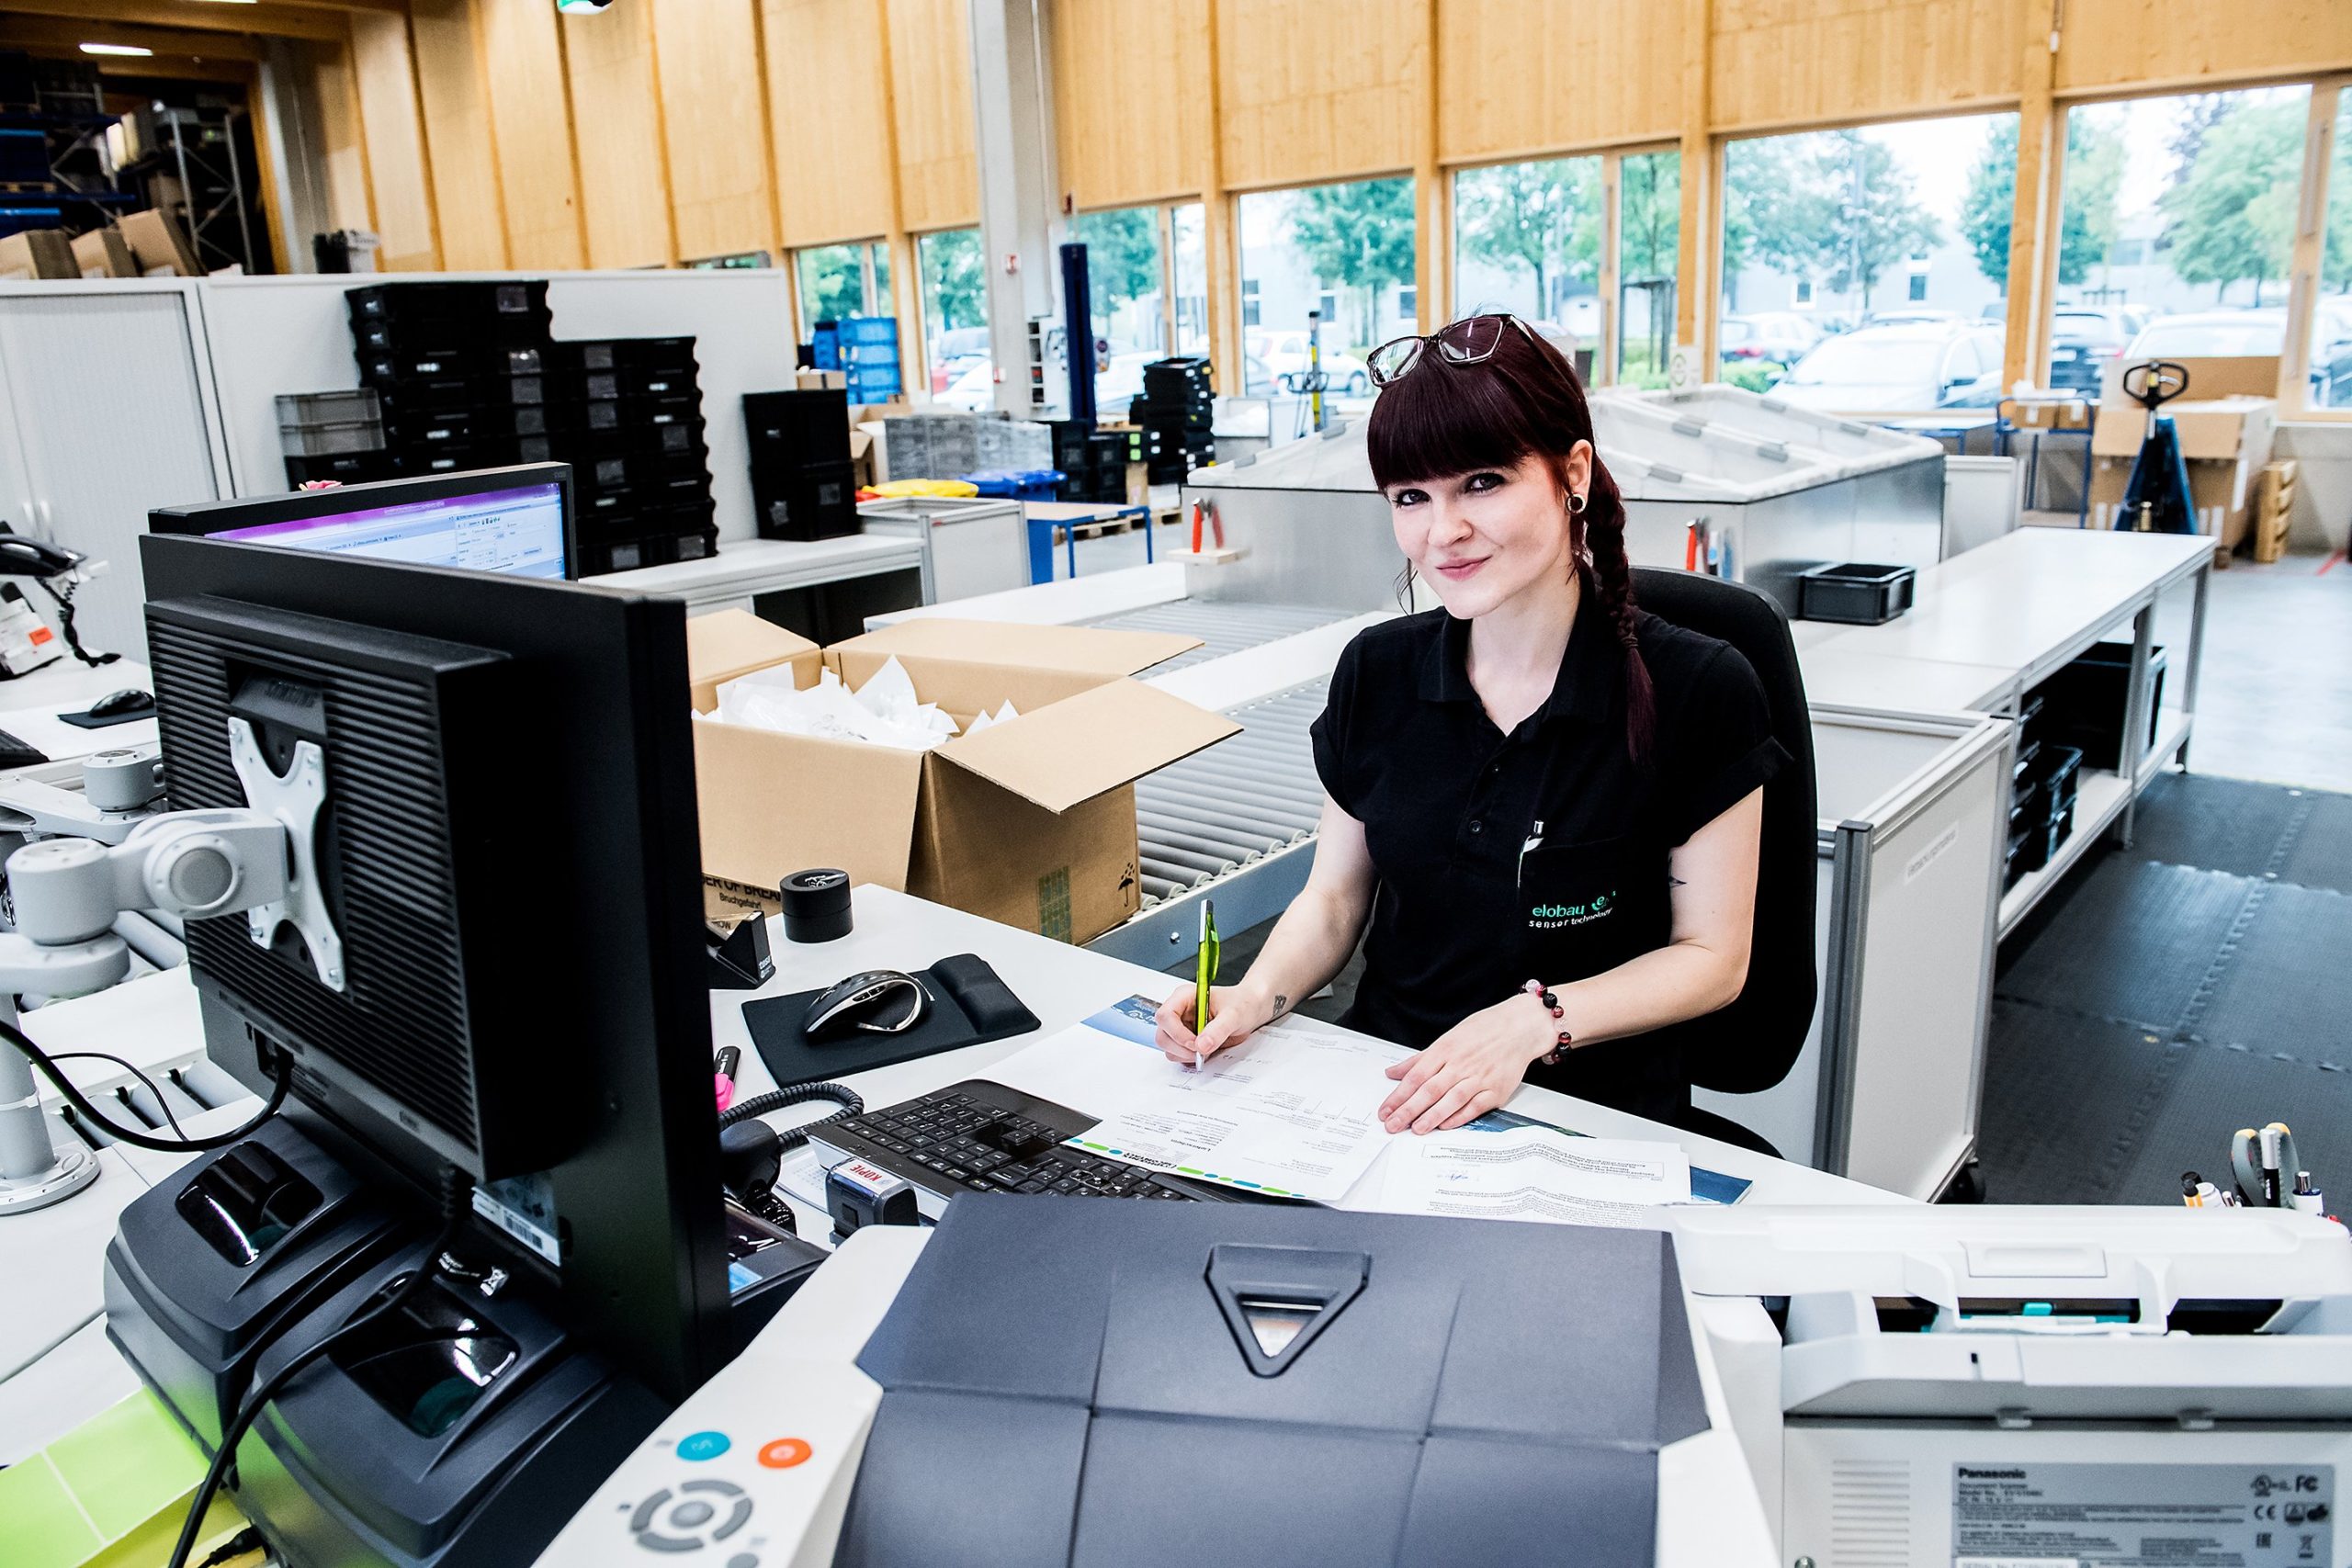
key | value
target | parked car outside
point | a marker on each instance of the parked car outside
(1911, 367)
(2211, 335)
(2083, 338)
(1779, 337)
(1284, 353)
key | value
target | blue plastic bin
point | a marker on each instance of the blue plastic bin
(1018, 484)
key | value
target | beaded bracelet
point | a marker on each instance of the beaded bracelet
(1542, 993)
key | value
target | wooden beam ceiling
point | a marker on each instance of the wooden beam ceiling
(55, 35)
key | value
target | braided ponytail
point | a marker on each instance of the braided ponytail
(1612, 577)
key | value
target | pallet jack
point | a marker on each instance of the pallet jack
(2155, 499)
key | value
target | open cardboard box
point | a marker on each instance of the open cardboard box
(1031, 823)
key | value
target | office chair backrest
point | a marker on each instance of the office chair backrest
(1751, 1044)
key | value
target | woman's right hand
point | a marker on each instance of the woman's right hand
(1234, 1013)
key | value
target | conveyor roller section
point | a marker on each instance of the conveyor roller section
(1223, 628)
(1239, 801)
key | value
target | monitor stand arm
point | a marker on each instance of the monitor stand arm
(196, 865)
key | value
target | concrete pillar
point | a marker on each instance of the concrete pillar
(1021, 220)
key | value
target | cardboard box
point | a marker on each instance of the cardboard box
(820, 380)
(862, 465)
(2218, 493)
(103, 252)
(38, 253)
(2047, 412)
(160, 246)
(2230, 429)
(1031, 823)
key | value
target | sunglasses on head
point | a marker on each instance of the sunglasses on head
(1470, 341)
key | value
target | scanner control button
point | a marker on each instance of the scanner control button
(742, 1560)
(688, 1515)
(698, 1446)
(653, 1541)
(786, 1452)
(642, 1520)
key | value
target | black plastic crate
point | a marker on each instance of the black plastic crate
(623, 353)
(409, 432)
(811, 503)
(2084, 702)
(442, 364)
(624, 382)
(796, 429)
(2058, 775)
(516, 300)
(343, 468)
(453, 458)
(639, 413)
(429, 336)
(1854, 593)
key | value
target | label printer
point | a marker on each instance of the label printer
(1819, 1387)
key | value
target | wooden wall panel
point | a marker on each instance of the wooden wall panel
(398, 181)
(458, 139)
(1520, 77)
(343, 153)
(825, 96)
(1124, 137)
(716, 129)
(1313, 90)
(931, 70)
(616, 130)
(531, 113)
(1780, 63)
(2182, 43)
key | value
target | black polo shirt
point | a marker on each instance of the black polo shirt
(1540, 854)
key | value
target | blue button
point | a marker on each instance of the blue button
(703, 1445)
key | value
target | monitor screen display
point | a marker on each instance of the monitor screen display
(517, 532)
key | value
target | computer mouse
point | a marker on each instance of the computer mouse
(878, 1001)
(131, 699)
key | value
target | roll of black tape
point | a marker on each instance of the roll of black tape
(816, 905)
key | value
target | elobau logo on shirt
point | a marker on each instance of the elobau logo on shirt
(1554, 917)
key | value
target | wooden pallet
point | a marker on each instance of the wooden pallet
(29, 187)
(2274, 507)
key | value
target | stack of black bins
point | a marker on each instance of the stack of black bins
(1175, 411)
(802, 487)
(469, 376)
(632, 430)
(459, 370)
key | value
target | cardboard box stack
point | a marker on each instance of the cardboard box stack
(103, 252)
(1176, 409)
(1030, 822)
(803, 483)
(471, 376)
(2225, 424)
(35, 253)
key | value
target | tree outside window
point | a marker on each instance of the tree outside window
(1353, 241)
(1649, 231)
(955, 312)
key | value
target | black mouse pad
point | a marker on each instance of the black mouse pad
(86, 721)
(969, 1006)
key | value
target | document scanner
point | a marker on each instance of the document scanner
(1092, 1382)
(2108, 1387)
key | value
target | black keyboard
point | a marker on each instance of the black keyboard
(15, 753)
(977, 1137)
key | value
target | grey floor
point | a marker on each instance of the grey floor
(2275, 702)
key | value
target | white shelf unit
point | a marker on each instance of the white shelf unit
(2099, 800)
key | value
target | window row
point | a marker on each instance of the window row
(1862, 270)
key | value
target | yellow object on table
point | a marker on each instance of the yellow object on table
(956, 488)
(110, 1493)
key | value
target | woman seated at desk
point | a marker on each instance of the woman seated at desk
(1545, 802)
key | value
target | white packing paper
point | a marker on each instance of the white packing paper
(1529, 1173)
(883, 712)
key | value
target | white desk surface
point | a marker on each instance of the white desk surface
(1063, 985)
(1062, 602)
(30, 706)
(768, 566)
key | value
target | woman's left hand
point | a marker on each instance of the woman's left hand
(1471, 1068)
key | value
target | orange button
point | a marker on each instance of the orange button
(784, 1453)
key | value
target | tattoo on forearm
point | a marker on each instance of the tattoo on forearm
(1281, 1004)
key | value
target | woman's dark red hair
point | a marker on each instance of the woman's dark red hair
(1440, 419)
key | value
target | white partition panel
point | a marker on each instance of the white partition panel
(102, 415)
(290, 334)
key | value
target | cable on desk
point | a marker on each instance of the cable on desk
(776, 1100)
(185, 1145)
(134, 1072)
(457, 1204)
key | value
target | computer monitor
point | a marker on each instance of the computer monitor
(507, 844)
(516, 520)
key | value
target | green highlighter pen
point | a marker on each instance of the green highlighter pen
(1204, 974)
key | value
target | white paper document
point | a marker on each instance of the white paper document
(1528, 1173)
(1291, 1111)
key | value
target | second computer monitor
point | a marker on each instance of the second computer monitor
(515, 522)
